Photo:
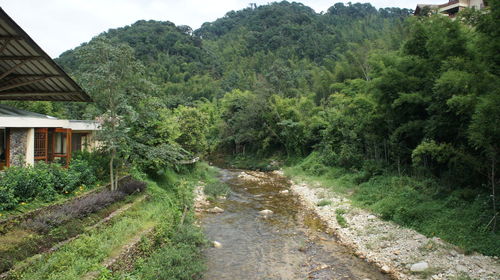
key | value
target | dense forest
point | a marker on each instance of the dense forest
(371, 92)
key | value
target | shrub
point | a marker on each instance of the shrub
(7, 199)
(83, 172)
(27, 183)
(96, 162)
(131, 186)
(78, 208)
(43, 181)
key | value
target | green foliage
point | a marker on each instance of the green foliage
(459, 216)
(178, 259)
(372, 91)
(339, 216)
(7, 198)
(43, 182)
(324, 202)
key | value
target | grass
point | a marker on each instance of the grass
(179, 258)
(458, 216)
(21, 242)
(172, 253)
(324, 202)
(85, 254)
(339, 216)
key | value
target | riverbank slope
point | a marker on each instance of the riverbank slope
(401, 252)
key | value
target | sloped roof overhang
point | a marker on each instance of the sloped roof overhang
(27, 72)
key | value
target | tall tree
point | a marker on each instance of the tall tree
(107, 72)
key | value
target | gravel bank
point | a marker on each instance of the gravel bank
(395, 250)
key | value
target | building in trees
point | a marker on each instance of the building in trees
(27, 73)
(451, 8)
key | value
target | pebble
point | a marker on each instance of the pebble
(419, 267)
(217, 244)
(266, 212)
(386, 269)
(284, 192)
(215, 210)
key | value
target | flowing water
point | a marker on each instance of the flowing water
(292, 243)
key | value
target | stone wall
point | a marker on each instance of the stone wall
(18, 146)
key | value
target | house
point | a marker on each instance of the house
(451, 8)
(27, 137)
(27, 73)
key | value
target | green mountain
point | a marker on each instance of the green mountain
(407, 107)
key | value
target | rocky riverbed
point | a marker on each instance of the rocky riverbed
(262, 231)
(403, 253)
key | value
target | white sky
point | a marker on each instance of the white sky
(59, 25)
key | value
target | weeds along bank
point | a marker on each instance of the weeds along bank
(167, 244)
(459, 216)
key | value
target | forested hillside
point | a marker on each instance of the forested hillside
(374, 93)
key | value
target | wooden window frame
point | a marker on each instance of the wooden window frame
(46, 132)
(67, 155)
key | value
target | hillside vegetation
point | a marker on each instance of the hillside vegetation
(408, 107)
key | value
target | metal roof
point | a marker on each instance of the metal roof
(13, 117)
(27, 72)
(7, 111)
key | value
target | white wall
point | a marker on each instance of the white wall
(30, 147)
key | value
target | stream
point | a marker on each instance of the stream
(291, 243)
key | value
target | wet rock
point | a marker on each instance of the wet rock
(284, 192)
(266, 212)
(217, 244)
(322, 266)
(215, 210)
(419, 267)
(386, 269)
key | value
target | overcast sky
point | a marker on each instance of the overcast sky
(59, 25)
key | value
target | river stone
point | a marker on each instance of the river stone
(284, 192)
(215, 210)
(217, 244)
(419, 267)
(386, 269)
(266, 212)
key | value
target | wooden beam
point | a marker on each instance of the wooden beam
(34, 76)
(19, 84)
(4, 46)
(20, 57)
(39, 94)
(12, 69)
(10, 37)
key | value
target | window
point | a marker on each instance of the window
(60, 147)
(41, 144)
